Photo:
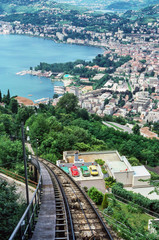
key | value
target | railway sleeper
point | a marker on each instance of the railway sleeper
(79, 215)
(88, 235)
(87, 211)
(84, 221)
(86, 227)
(69, 191)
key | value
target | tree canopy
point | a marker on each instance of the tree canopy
(68, 103)
(10, 209)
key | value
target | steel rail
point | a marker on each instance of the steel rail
(86, 197)
(72, 235)
(83, 211)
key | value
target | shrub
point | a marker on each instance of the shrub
(108, 210)
(105, 201)
(85, 189)
(132, 208)
(152, 205)
(115, 204)
(134, 161)
(104, 171)
(109, 182)
(100, 162)
(119, 184)
(154, 176)
(95, 195)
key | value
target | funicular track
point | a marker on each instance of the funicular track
(76, 215)
(64, 225)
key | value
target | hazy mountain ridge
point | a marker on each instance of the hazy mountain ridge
(19, 2)
(144, 14)
(131, 4)
(29, 6)
(111, 4)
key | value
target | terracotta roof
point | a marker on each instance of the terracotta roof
(24, 101)
(147, 133)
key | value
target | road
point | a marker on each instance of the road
(118, 126)
(20, 187)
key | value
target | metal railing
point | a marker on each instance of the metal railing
(26, 224)
(17, 177)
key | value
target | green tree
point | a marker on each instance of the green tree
(68, 102)
(23, 114)
(8, 123)
(11, 153)
(38, 129)
(134, 161)
(6, 98)
(10, 209)
(136, 129)
(13, 105)
(83, 113)
(55, 95)
(156, 127)
(106, 101)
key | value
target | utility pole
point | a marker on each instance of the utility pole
(37, 149)
(26, 176)
(25, 164)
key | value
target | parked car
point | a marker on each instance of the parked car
(93, 170)
(74, 171)
(85, 171)
(66, 169)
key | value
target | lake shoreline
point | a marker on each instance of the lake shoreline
(58, 42)
(45, 74)
(21, 52)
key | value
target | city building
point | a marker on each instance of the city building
(117, 166)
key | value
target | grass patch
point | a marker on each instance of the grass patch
(125, 217)
(129, 86)
(118, 128)
(135, 219)
(127, 220)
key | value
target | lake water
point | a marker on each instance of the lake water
(19, 53)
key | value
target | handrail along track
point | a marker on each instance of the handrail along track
(23, 228)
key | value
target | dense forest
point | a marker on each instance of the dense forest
(70, 67)
(65, 127)
(79, 68)
(54, 130)
(11, 209)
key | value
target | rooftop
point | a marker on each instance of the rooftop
(24, 101)
(118, 166)
(92, 156)
(140, 171)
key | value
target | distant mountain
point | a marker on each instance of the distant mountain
(111, 4)
(14, 6)
(19, 2)
(148, 14)
(134, 4)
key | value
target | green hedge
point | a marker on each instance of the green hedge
(152, 205)
(95, 195)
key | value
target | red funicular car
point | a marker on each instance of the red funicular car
(74, 171)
